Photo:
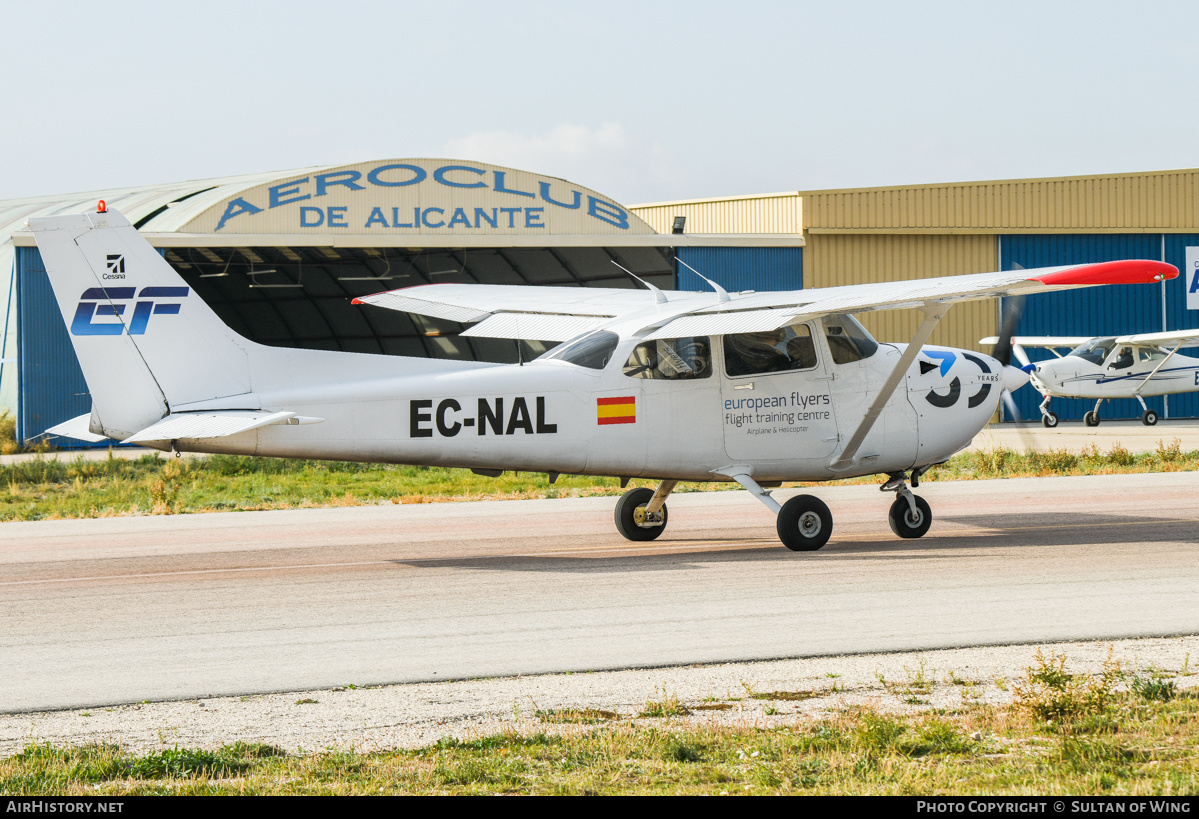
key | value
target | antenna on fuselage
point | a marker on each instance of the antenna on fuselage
(720, 291)
(659, 296)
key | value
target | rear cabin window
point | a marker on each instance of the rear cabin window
(772, 351)
(671, 358)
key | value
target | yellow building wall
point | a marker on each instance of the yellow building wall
(778, 213)
(1154, 201)
(838, 259)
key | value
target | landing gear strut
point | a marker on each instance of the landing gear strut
(1091, 419)
(1148, 416)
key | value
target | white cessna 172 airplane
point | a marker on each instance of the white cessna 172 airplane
(1109, 367)
(756, 388)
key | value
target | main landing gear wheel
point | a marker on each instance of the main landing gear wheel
(804, 523)
(1049, 419)
(631, 520)
(1148, 417)
(1091, 419)
(904, 523)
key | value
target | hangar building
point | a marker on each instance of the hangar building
(280, 256)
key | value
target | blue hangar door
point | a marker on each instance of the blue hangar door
(741, 268)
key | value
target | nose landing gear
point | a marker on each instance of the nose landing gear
(910, 516)
(1048, 417)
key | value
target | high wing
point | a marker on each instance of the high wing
(1183, 338)
(558, 313)
(1070, 342)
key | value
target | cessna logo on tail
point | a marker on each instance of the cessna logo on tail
(114, 266)
(97, 302)
(449, 421)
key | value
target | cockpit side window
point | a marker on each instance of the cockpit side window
(848, 340)
(593, 351)
(772, 351)
(671, 358)
(1123, 359)
(1150, 354)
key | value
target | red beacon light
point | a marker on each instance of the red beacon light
(101, 207)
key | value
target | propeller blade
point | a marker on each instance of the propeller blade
(1009, 404)
(1013, 308)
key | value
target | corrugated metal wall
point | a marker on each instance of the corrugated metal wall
(742, 268)
(1178, 317)
(1156, 201)
(51, 386)
(837, 259)
(766, 213)
(1101, 311)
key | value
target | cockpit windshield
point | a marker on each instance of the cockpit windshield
(1095, 350)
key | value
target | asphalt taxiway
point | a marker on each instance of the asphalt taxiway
(120, 610)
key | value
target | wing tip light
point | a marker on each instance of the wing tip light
(1128, 271)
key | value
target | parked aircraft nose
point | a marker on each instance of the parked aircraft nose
(1014, 378)
(1047, 373)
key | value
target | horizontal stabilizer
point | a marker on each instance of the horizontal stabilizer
(76, 428)
(213, 424)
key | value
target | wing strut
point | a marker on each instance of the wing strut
(933, 311)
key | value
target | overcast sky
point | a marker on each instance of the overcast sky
(643, 101)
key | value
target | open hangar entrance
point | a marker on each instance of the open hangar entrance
(303, 296)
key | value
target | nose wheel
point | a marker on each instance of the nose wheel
(908, 523)
(910, 515)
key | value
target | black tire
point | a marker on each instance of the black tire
(804, 523)
(627, 525)
(1148, 417)
(1049, 420)
(900, 517)
(1091, 419)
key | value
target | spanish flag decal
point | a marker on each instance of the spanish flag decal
(620, 410)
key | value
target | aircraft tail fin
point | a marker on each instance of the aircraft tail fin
(144, 340)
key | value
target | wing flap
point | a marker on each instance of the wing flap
(212, 424)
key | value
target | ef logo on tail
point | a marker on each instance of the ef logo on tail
(98, 302)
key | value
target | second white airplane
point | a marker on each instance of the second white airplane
(1107, 367)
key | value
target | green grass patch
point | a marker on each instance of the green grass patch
(1144, 745)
